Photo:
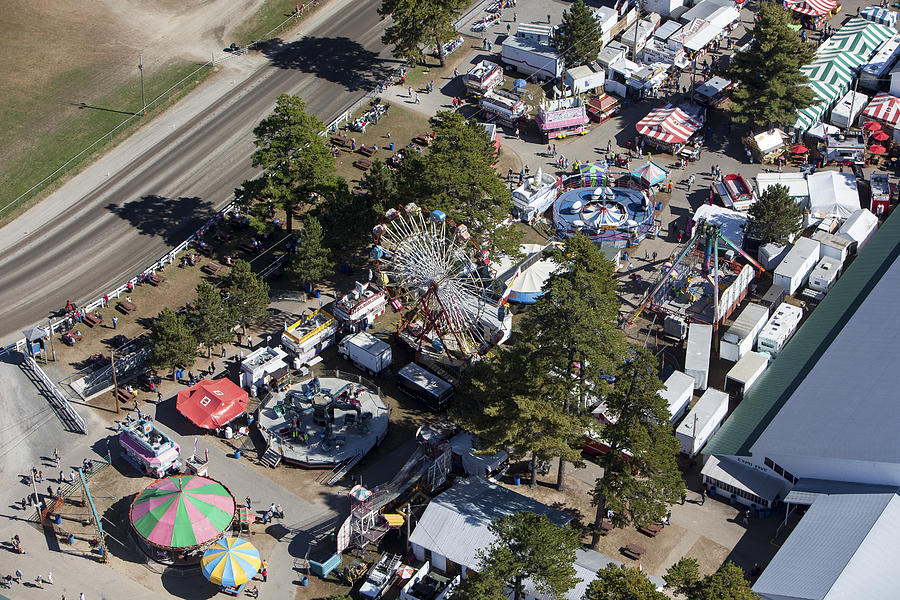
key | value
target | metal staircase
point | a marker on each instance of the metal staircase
(272, 456)
(343, 468)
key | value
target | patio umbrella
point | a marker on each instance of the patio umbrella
(872, 125)
(877, 149)
(182, 511)
(360, 494)
(799, 149)
(405, 572)
(230, 562)
(520, 83)
(880, 136)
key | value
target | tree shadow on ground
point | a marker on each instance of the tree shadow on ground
(172, 219)
(336, 59)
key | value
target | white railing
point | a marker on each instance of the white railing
(61, 401)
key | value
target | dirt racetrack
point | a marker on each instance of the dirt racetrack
(58, 55)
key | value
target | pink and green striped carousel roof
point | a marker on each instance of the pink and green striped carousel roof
(182, 511)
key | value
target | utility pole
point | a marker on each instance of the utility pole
(636, 22)
(141, 69)
(408, 517)
(112, 362)
(52, 350)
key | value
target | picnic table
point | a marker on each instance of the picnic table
(211, 268)
(633, 551)
(367, 150)
(340, 140)
(605, 527)
(223, 237)
(156, 278)
(71, 337)
(123, 394)
(126, 306)
(206, 250)
(363, 163)
(247, 246)
(651, 530)
(422, 140)
(91, 319)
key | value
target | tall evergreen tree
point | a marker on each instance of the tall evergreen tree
(771, 89)
(348, 218)
(621, 582)
(211, 320)
(640, 474)
(477, 586)
(774, 217)
(456, 176)
(248, 295)
(511, 412)
(380, 185)
(419, 24)
(172, 342)
(573, 330)
(312, 260)
(528, 546)
(578, 37)
(728, 583)
(295, 161)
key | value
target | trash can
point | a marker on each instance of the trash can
(304, 581)
(392, 146)
(57, 519)
(71, 539)
(317, 294)
(517, 480)
(237, 454)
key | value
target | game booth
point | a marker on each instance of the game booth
(177, 518)
(668, 128)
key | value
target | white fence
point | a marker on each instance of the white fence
(58, 399)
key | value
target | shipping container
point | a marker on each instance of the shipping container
(740, 337)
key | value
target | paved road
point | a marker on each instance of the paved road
(102, 234)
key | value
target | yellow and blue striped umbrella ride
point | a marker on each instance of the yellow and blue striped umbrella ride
(230, 562)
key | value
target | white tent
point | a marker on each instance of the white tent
(731, 221)
(859, 228)
(528, 286)
(832, 194)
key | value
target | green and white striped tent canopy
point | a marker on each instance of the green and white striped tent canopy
(830, 72)
(848, 59)
(864, 33)
(826, 91)
(808, 117)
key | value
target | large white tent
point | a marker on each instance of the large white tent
(832, 194)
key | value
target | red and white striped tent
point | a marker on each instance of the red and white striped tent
(884, 108)
(668, 125)
(811, 8)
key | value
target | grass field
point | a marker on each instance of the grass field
(269, 16)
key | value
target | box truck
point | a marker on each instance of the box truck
(531, 58)
(794, 270)
(779, 329)
(366, 352)
(678, 390)
(744, 374)
(702, 422)
(696, 359)
(741, 336)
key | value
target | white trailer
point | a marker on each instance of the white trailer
(794, 269)
(696, 359)
(848, 108)
(744, 374)
(824, 275)
(779, 329)
(859, 228)
(530, 58)
(833, 245)
(536, 32)
(741, 336)
(366, 352)
(678, 390)
(702, 422)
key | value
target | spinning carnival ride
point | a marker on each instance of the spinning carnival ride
(427, 266)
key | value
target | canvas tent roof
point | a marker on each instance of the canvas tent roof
(212, 403)
(812, 8)
(833, 194)
(809, 116)
(795, 183)
(475, 464)
(651, 173)
(876, 14)
(669, 124)
(870, 35)
(830, 71)
(844, 547)
(884, 107)
(731, 221)
(769, 140)
(455, 523)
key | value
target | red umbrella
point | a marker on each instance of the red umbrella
(880, 136)
(799, 149)
(872, 125)
(877, 149)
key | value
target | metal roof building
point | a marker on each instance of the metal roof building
(844, 547)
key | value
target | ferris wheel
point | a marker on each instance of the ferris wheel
(427, 267)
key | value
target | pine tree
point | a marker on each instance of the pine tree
(774, 217)
(348, 218)
(728, 583)
(770, 87)
(578, 38)
(211, 320)
(621, 582)
(312, 260)
(456, 176)
(418, 24)
(477, 586)
(528, 546)
(295, 161)
(573, 329)
(172, 342)
(640, 474)
(248, 295)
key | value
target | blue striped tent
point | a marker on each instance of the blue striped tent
(879, 15)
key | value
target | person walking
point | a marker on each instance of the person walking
(265, 574)
(19, 576)
(691, 180)
(249, 504)
(417, 99)
(39, 582)
(115, 322)
(49, 578)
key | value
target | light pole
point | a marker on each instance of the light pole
(141, 69)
